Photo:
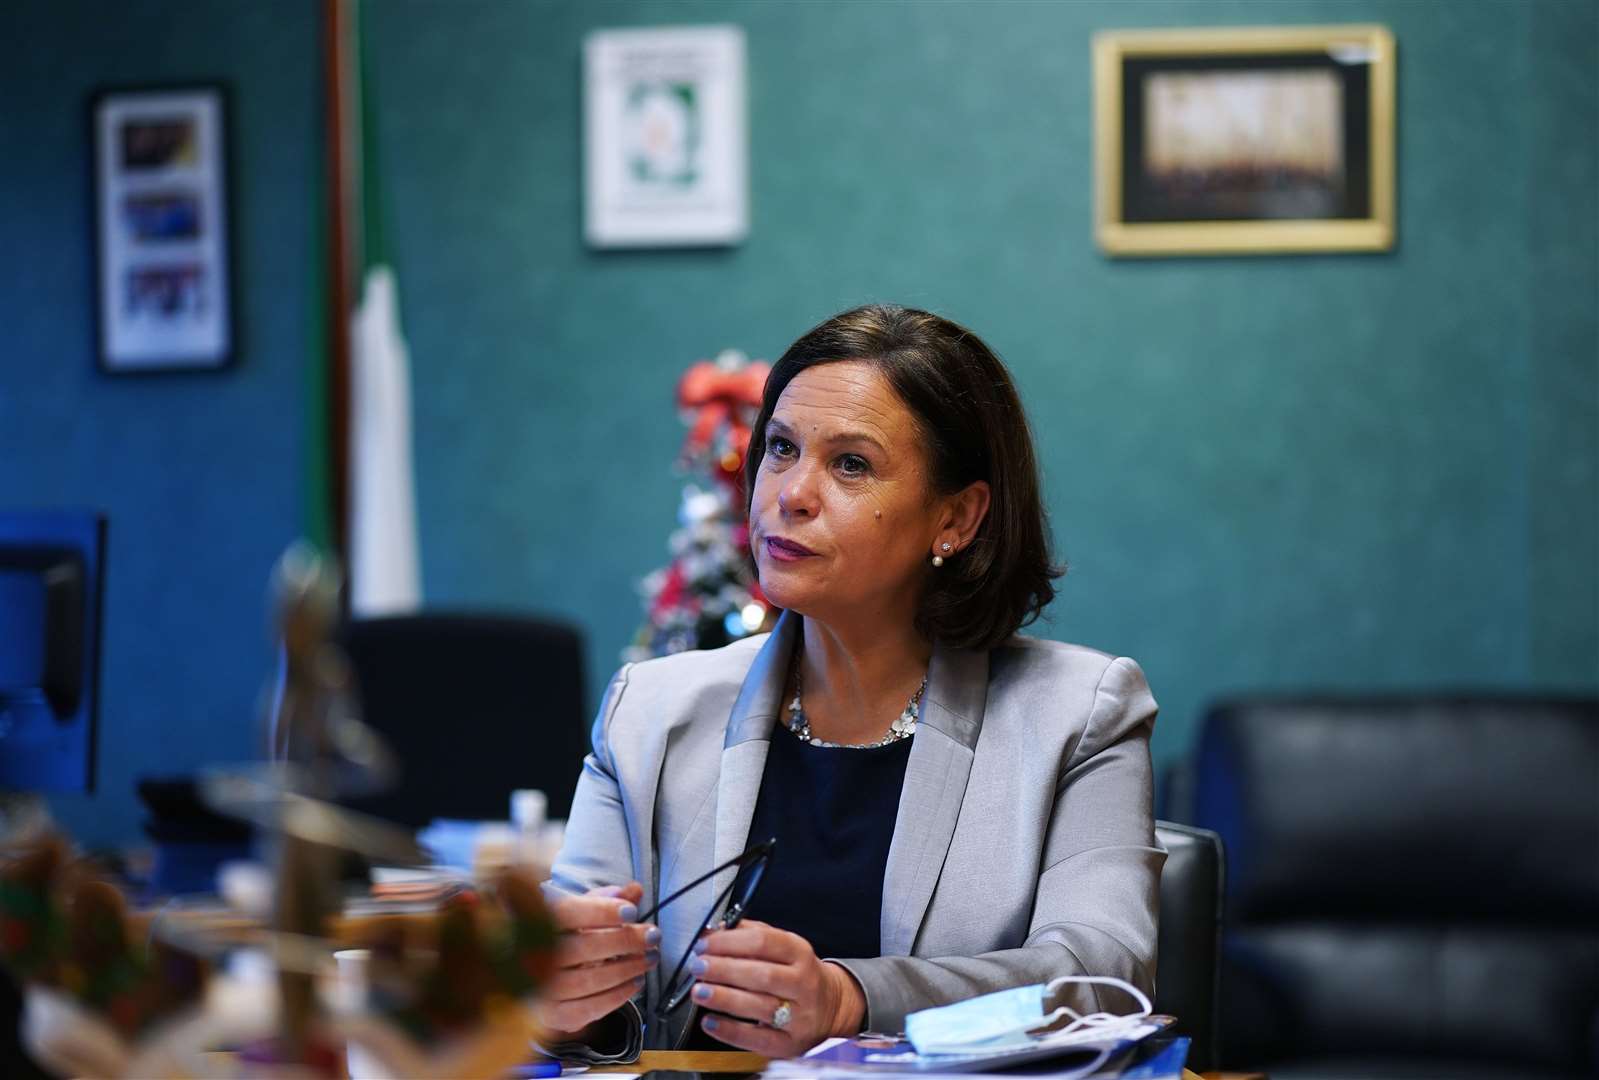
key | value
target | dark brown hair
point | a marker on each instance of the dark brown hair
(972, 423)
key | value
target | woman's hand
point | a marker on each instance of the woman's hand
(600, 960)
(746, 973)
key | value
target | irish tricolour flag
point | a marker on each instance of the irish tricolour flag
(379, 508)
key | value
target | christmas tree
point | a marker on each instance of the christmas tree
(708, 595)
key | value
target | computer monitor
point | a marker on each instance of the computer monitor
(51, 567)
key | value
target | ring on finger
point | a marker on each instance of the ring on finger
(781, 1015)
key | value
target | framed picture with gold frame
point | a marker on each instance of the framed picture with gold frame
(1244, 140)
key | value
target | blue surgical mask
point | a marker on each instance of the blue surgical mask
(1002, 1020)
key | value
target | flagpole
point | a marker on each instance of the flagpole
(339, 264)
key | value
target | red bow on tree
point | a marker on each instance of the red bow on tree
(721, 399)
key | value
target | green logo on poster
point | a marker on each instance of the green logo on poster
(663, 133)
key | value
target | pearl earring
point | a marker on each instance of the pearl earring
(938, 560)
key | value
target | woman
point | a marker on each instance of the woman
(958, 809)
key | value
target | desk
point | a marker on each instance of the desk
(737, 1061)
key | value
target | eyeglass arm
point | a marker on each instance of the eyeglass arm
(748, 855)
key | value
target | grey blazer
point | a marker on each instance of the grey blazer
(1024, 847)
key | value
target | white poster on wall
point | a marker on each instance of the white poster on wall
(666, 146)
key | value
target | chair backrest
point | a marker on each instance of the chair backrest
(1188, 962)
(476, 706)
(1408, 878)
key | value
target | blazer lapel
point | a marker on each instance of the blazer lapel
(749, 736)
(935, 785)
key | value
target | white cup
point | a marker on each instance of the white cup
(350, 982)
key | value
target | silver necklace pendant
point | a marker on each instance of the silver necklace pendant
(903, 727)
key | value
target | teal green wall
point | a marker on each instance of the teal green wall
(1340, 471)
(1357, 471)
(200, 475)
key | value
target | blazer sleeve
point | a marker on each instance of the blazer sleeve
(597, 849)
(1095, 909)
(597, 852)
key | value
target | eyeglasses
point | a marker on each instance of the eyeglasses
(736, 898)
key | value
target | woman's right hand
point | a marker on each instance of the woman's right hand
(600, 960)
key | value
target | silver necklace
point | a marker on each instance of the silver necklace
(903, 727)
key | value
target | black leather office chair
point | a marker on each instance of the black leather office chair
(475, 706)
(1412, 885)
(1187, 967)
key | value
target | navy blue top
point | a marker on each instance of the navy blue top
(832, 810)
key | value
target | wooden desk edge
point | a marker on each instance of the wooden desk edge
(695, 1061)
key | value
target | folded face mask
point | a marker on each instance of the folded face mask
(1001, 1020)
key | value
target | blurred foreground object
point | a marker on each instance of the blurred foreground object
(456, 981)
(62, 927)
(1412, 884)
(708, 596)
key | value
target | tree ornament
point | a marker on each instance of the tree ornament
(708, 594)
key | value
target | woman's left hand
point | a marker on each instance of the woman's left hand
(747, 973)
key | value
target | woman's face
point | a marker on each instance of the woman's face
(843, 520)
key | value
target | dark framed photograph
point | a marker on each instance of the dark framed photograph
(162, 253)
(1244, 140)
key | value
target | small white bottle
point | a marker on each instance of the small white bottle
(527, 819)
